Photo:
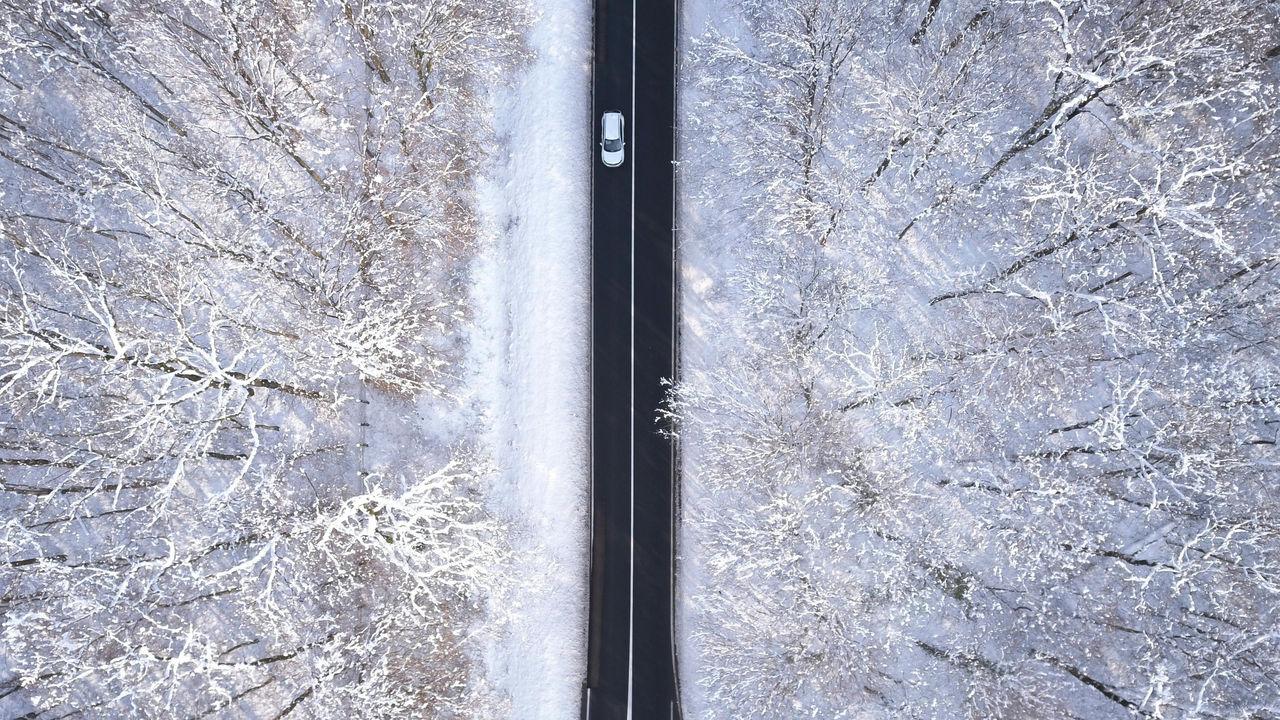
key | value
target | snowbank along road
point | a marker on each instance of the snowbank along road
(630, 659)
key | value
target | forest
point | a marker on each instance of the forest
(979, 399)
(234, 243)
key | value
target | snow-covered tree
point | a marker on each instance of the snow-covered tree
(217, 224)
(987, 428)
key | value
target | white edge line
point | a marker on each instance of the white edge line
(675, 343)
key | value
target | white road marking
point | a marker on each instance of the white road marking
(631, 604)
(675, 338)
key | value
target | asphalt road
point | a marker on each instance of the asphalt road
(630, 672)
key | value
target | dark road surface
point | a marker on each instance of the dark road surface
(630, 660)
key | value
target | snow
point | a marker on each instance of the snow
(917, 434)
(192, 300)
(533, 335)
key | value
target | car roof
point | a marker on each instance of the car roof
(613, 120)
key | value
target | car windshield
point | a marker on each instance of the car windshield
(613, 144)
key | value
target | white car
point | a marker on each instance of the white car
(612, 129)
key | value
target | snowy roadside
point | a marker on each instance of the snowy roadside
(531, 291)
(701, 274)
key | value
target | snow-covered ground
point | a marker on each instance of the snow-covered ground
(533, 341)
(293, 367)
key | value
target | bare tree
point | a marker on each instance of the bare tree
(990, 432)
(217, 224)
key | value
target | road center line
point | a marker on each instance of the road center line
(631, 441)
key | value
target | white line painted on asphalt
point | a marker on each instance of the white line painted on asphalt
(675, 344)
(631, 604)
